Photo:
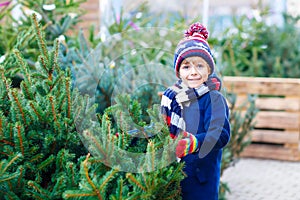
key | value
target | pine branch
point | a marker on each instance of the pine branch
(86, 171)
(95, 142)
(53, 108)
(56, 52)
(4, 170)
(107, 132)
(23, 65)
(120, 189)
(40, 38)
(151, 151)
(26, 90)
(71, 172)
(147, 183)
(40, 192)
(36, 158)
(43, 63)
(4, 78)
(20, 177)
(77, 195)
(11, 134)
(46, 163)
(8, 178)
(10, 195)
(173, 196)
(1, 127)
(35, 110)
(20, 107)
(108, 178)
(59, 186)
(135, 181)
(54, 112)
(68, 89)
(58, 82)
(20, 138)
(122, 140)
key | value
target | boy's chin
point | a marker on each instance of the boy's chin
(194, 85)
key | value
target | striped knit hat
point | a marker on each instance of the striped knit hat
(194, 44)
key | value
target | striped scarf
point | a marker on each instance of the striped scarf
(178, 95)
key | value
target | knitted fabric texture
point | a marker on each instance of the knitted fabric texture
(187, 145)
(172, 104)
(194, 44)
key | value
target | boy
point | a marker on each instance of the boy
(195, 110)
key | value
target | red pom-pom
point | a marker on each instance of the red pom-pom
(197, 29)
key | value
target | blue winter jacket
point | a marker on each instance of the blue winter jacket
(208, 119)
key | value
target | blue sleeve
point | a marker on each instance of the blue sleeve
(216, 124)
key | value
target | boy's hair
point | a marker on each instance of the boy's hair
(194, 43)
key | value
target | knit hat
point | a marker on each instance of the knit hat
(194, 44)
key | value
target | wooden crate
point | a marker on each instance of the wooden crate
(277, 129)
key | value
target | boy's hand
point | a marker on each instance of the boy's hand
(187, 145)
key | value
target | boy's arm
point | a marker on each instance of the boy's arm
(216, 124)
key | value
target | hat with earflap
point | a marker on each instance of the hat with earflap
(194, 43)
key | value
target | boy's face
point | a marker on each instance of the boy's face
(194, 71)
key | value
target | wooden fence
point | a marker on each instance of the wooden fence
(277, 129)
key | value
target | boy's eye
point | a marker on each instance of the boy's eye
(185, 67)
(200, 65)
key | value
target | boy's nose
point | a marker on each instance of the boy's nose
(194, 70)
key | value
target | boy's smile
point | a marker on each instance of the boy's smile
(194, 71)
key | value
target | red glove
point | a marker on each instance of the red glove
(187, 145)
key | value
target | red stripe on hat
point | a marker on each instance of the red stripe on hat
(195, 51)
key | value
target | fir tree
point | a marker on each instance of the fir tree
(43, 124)
(128, 163)
(39, 143)
(57, 18)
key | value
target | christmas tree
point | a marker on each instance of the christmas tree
(39, 143)
(57, 18)
(47, 128)
(131, 159)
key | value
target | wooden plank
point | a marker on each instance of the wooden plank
(261, 85)
(277, 124)
(270, 152)
(271, 103)
(277, 120)
(273, 136)
(292, 146)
